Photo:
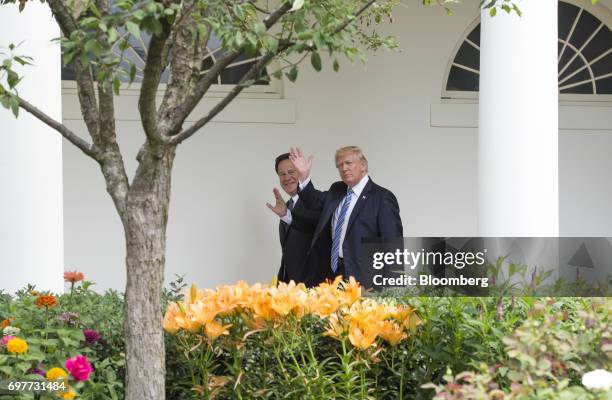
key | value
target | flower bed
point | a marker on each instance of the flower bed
(286, 341)
(61, 344)
(257, 341)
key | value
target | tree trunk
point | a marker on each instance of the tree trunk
(145, 220)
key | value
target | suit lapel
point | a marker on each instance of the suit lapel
(363, 198)
(328, 213)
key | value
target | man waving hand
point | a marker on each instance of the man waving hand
(352, 209)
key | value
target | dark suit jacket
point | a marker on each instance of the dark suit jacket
(376, 214)
(295, 241)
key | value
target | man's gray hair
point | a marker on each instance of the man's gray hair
(354, 150)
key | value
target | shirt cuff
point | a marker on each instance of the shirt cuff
(287, 218)
(304, 184)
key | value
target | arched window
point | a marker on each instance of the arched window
(137, 54)
(584, 55)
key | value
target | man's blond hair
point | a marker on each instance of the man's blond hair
(354, 150)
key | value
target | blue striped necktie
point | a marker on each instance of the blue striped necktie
(335, 253)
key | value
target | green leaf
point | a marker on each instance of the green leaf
(239, 39)
(259, 28)
(15, 107)
(116, 86)
(493, 11)
(132, 72)
(272, 43)
(7, 370)
(238, 11)
(112, 35)
(91, 45)
(292, 74)
(22, 60)
(336, 66)
(124, 45)
(12, 78)
(315, 60)
(319, 40)
(23, 367)
(133, 29)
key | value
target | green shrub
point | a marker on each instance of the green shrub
(57, 328)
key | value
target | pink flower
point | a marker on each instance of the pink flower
(79, 367)
(5, 340)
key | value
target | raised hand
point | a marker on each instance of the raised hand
(280, 208)
(302, 165)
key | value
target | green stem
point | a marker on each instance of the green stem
(46, 328)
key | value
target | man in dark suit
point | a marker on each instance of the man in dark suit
(296, 227)
(351, 210)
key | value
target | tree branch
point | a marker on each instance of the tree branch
(82, 144)
(250, 75)
(348, 21)
(154, 67)
(175, 115)
(84, 78)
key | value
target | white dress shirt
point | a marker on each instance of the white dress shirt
(288, 218)
(357, 189)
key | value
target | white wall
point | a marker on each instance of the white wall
(31, 235)
(219, 228)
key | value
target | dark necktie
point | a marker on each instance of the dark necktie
(335, 252)
(284, 226)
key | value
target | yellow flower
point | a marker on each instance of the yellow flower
(214, 329)
(203, 311)
(392, 332)
(350, 293)
(287, 298)
(336, 327)
(262, 306)
(56, 373)
(17, 346)
(170, 324)
(361, 338)
(226, 299)
(323, 304)
(69, 394)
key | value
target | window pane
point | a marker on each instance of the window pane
(462, 80)
(474, 36)
(604, 86)
(603, 66)
(567, 14)
(576, 64)
(599, 44)
(580, 76)
(568, 54)
(586, 88)
(585, 28)
(469, 56)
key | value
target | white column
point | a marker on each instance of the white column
(31, 215)
(518, 189)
